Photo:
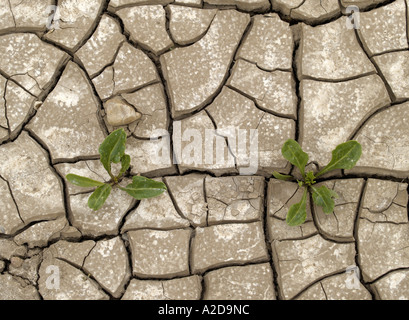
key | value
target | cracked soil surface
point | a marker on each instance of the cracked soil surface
(72, 71)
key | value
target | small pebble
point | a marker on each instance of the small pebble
(16, 262)
(120, 113)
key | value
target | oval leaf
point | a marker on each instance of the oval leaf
(298, 212)
(82, 181)
(344, 156)
(284, 177)
(142, 188)
(323, 197)
(112, 149)
(98, 197)
(292, 151)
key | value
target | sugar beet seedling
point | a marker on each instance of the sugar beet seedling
(344, 156)
(112, 150)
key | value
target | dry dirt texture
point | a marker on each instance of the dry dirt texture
(72, 71)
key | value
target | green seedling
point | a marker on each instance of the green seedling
(344, 156)
(112, 150)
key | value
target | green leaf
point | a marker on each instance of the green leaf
(142, 188)
(344, 156)
(280, 176)
(125, 163)
(323, 197)
(98, 197)
(298, 212)
(82, 181)
(112, 149)
(292, 151)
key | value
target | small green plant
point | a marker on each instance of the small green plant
(112, 150)
(344, 156)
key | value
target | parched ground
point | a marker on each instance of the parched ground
(71, 71)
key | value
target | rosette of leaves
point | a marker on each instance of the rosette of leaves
(112, 150)
(344, 156)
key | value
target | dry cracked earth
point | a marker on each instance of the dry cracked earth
(71, 71)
